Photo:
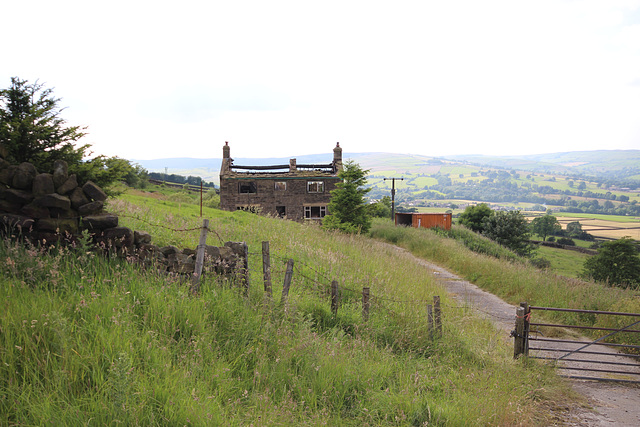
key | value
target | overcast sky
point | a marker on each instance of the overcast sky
(157, 79)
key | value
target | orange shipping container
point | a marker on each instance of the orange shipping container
(425, 220)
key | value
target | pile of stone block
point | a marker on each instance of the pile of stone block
(52, 208)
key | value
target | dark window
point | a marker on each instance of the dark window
(281, 211)
(314, 212)
(247, 187)
(281, 186)
(315, 186)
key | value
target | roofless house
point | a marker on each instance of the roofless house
(295, 191)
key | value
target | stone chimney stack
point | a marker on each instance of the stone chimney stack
(293, 166)
(226, 159)
(337, 157)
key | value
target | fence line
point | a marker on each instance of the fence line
(322, 282)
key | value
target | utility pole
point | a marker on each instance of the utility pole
(393, 196)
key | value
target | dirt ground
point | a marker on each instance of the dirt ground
(608, 403)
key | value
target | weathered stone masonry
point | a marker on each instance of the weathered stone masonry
(293, 191)
(47, 208)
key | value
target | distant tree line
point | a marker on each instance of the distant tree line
(499, 188)
(180, 179)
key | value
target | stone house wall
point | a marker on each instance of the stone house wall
(292, 192)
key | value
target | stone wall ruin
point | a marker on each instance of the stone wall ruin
(54, 208)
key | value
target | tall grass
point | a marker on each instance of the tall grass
(93, 340)
(517, 281)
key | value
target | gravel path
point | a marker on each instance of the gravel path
(613, 404)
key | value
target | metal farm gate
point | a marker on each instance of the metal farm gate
(576, 357)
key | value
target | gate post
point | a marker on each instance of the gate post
(527, 327)
(518, 334)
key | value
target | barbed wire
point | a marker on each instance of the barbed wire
(377, 299)
(175, 230)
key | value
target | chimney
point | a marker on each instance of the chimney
(293, 167)
(225, 169)
(337, 158)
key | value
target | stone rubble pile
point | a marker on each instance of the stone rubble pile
(49, 208)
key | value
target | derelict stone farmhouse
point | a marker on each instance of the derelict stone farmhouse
(294, 191)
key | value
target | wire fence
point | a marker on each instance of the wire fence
(312, 278)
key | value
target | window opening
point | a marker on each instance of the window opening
(281, 186)
(314, 212)
(315, 186)
(247, 187)
(281, 211)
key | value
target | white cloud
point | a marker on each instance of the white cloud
(160, 79)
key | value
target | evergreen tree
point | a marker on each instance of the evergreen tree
(348, 208)
(32, 130)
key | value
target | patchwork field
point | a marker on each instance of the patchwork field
(598, 226)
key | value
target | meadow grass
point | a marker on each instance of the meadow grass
(565, 262)
(86, 339)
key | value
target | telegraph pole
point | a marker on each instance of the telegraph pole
(393, 196)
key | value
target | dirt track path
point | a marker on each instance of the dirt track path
(613, 404)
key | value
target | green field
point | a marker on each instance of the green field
(566, 262)
(608, 218)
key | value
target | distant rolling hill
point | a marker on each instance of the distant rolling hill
(598, 162)
(623, 164)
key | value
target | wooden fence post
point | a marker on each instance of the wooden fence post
(518, 338)
(197, 272)
(266, 268)
(334, 297)
(365, 304)
(430, 319)
(437, 314)
(245, 268)
(527, 315)
(288, 275)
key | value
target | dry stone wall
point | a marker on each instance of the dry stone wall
(53, 208)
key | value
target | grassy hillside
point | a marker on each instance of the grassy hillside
(89, 340)
(516, 281)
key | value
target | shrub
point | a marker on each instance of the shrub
(540, 263)
(566, 241)
(616, 263)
